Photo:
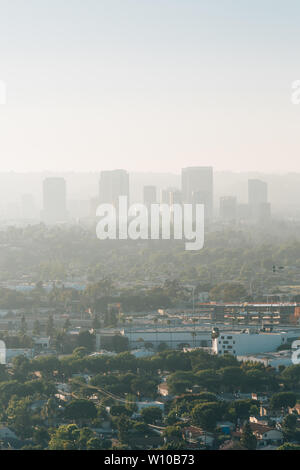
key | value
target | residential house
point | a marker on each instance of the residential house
(266, 435)
(260, 397)
(196, 435)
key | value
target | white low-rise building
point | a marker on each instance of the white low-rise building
(42, 342)
(266, 435)
(247, 342)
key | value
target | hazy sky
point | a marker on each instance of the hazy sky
(149, 84)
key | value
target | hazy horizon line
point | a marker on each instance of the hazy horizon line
(151, 172)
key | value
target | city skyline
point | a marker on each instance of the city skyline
(196, 187)
(22, 194)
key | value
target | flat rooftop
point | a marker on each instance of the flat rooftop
(269, 355)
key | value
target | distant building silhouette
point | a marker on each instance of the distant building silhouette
(243, 212)
(164, 196)
(113, 184)
(228, 208)
(197, 187)
(257, 192)
(260, 208)
(263, 212)
(171, 196)
(54, 200)
(150, 195)
(175, 196)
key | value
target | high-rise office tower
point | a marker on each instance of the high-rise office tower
(228, 208)
(150, 195)
(197, 187)
(113, 184)
(54, 200)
